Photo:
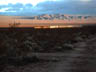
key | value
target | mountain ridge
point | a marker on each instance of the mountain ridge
(59, 17)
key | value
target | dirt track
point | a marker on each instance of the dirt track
(83, 59)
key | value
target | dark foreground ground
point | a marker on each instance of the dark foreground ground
(48, 50)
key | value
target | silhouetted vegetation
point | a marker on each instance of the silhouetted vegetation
(20, 42)
(24, 40)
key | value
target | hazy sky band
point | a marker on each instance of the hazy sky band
(37, 7)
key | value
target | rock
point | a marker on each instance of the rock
(68, 46)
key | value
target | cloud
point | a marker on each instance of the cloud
(72, 7)
(14, 7)
(50, 7)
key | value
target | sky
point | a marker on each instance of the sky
(39, 7)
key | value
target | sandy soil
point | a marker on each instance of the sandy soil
(6, 20)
